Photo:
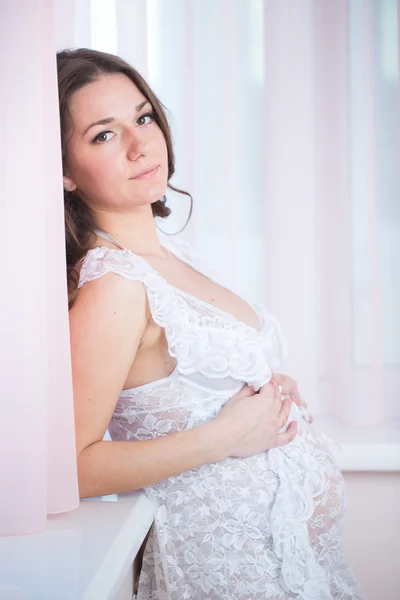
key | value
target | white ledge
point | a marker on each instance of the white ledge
(374, 448)
(81, 555)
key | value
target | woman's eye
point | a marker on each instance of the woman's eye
(97, 138)
(149, 114)
(100, 136)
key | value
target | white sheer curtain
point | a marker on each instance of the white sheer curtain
(286, 121)
(285, 118)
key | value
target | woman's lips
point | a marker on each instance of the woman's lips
(147, 175)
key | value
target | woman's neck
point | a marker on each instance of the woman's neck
(136, 232)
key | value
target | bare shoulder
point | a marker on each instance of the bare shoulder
(110, 306)
(111, 287)
(107, 323)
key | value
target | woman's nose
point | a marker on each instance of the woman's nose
(136, 144)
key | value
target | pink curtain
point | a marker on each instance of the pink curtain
(37, 447)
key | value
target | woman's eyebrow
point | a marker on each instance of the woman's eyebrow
(109, 120)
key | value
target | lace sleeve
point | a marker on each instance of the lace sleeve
(99, 261)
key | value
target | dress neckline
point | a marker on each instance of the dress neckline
(172, 249)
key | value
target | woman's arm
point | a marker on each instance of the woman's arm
(116, 467)
(248, 424)
(107, 323)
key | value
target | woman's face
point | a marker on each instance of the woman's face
(102, 159)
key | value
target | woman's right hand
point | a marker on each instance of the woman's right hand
(251, 421)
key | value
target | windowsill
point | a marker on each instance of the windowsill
(375, 448)
(84, 554)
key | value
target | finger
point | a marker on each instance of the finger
(288, 383)
(294, 392)
(285, 411)
(283, 388)
(297, 400)
(278, 397)
(268, 390)
(289, 386)
(250, 390)
(311, 419)
(274, 383)
(279, 378)
(247, 390)
(287, 436)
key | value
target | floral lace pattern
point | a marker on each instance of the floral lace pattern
(262, 528)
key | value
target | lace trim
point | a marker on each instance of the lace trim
(201, 338)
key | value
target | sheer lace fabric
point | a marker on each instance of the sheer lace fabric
(265, 527)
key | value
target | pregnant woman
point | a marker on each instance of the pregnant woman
(248, 500)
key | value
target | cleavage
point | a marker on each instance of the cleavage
(200, 287)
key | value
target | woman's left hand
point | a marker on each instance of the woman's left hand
(289, 388)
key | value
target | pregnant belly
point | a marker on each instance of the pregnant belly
(298, 483)
(282, 511)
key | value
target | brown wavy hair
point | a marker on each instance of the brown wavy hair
(75, 69)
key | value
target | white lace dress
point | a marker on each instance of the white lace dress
(260, 528)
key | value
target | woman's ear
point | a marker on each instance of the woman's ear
(69, 185)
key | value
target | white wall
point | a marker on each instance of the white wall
(371, 537)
